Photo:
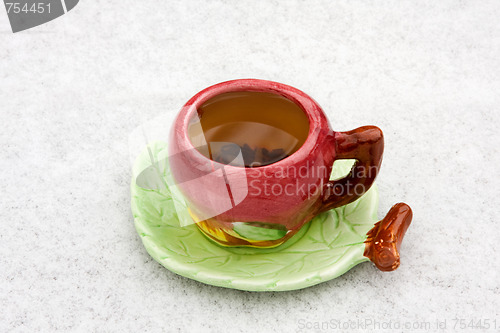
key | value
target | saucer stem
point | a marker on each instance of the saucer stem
(384, 239)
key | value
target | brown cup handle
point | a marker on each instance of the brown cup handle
(366, 145)
(384, 239)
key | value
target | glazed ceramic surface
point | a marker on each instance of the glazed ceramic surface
(312, 192)
(326, 247)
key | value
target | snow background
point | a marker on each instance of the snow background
(72, 90)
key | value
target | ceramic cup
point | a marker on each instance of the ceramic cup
(264, 206)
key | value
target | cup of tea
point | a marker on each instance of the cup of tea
(253, 159)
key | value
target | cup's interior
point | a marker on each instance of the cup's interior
(248, 128)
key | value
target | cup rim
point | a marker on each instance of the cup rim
(317, 119)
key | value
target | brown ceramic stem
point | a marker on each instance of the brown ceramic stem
(384, 239)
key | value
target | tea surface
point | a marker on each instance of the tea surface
(249, 128)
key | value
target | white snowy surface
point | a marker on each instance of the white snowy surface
(72, 90)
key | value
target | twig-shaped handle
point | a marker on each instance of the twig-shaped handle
(384, 239)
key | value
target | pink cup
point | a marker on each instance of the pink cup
(298, 187)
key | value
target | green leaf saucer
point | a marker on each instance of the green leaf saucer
(325, 248)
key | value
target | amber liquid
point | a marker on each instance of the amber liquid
(249, 128)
